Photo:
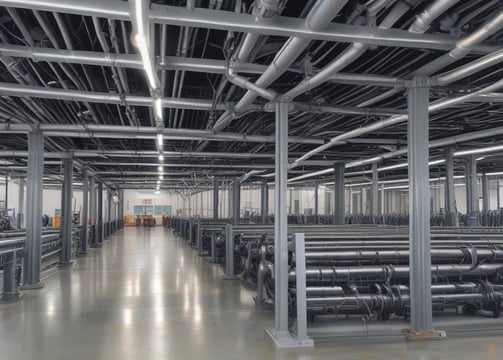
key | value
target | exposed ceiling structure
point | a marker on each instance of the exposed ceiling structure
(74, 70)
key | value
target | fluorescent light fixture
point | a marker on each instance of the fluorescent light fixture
(495, 173)
(480, 158)
(436, 162)
(479, 150)
(160, 140)
(161, 176)
(141, 42)
(160, 168)
(158, 108)
(391, 167)
(157, 192)
(158, 181)
(161, 157)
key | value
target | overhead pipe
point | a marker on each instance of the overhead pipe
(145, 132)
(350, 54)
(320, 16)
(434, 106)
(462, 48)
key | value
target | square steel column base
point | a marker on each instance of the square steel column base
(36, 286)
(10, 298)
(64, 264)
(283, 340)
(425, 335)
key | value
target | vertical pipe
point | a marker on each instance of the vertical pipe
(264, 201)
(316, 204)
(99, 226)
(65, 256)
(21, 205)
(450, 197)
(419, 206)
(339, 207)
(498, 204)
(34, 198)
(236, 201)
(84, 214)
(350, 199)
(280, 221)
(485, 192)
(215, 198)
(374, 209)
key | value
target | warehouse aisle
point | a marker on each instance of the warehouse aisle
(146, 295)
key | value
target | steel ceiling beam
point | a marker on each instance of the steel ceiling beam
(142, 132)
(232, 21)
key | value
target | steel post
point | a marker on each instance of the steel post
(485, 192)
(92, 211)
(301, 294)
(9, 288)
(419, 206)
(34, 198)
(472, 198)
(280, 335)
(99, 226)
(6, 191)
(215, 198)
(374, 209)
(21, 204)
(84, 214)
(109, 212)
(65, 256)
(451, 218)
(316, 203)
(229, 252)
(264, 202)
(339, 194)
(236, 201)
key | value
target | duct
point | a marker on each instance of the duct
(321, 14)
(434, 106)
(244, 83)
(463, 47)
(224, 20)
(146, 132)
(470, 68)
(434, 10)
(348, 55)
(72, 56)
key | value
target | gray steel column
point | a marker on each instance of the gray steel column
(236, 201)
(7, 190)
(84, 215)
(65, 256)
(316, 204)
(485, 192)
(498, 204)
(339, 194)
(374, 208)
(99, 226)
(264, 201)
(92, 210)
(472, 198)
(109, 212)
(450, 197)
(419, 206)
(33, 249)
(280, 221)
(21, 204)
(383, 200)
(215, 198)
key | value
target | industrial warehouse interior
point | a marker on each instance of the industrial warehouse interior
(251, 179)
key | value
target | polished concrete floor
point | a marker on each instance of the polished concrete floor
(146, 295)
